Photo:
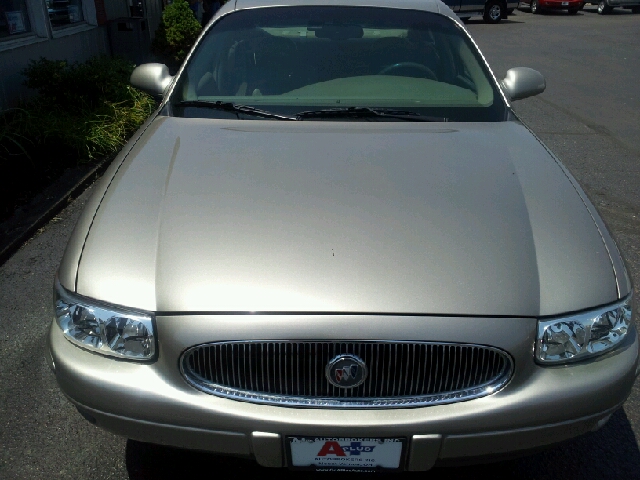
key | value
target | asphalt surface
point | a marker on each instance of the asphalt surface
(589, 116)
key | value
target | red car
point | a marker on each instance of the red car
(538, 6)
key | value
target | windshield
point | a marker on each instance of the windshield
(289, 60)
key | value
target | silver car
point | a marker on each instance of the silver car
(334, 246)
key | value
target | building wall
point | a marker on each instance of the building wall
(75, 42)
(116, 9)
(76, 47)
(154, 15)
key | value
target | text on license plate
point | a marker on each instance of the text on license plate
(345, 453)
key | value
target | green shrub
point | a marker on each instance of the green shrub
(12, 142)
(85, 110)
(80, 85)
(82, 112)
(85, 133)
(177, 32)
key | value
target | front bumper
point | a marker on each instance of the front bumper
(152, 402)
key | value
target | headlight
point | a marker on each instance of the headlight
(583, 335)
(104, 329)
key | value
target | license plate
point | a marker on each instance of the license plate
(564, 4)
(343, 453)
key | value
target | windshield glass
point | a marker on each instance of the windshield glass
(289, 60)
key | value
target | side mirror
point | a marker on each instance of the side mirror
(152, 78)
(523, 82)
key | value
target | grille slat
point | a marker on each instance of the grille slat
(481, 372)
(399, 373)
(413, 363)
(465, 378)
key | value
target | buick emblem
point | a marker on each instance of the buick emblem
(346, 371)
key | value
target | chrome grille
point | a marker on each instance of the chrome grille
(399, 373)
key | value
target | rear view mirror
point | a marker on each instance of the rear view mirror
(152, 78)
(523, 82)
(339, 32)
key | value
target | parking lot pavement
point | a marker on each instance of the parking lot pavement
(41, 434)
(43, 437)
(591, 63)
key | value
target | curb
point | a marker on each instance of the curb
(36, 216)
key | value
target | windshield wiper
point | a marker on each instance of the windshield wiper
(235, 108)
(368, 112)
(345, 112)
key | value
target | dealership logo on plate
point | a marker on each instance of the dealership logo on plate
(346, 371)
(352, 449)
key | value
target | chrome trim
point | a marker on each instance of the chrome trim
(489, 387)
(335, 360)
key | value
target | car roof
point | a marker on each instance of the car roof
(435, 6)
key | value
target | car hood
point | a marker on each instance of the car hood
(417, 218)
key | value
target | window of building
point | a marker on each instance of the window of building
(14, 18)
(64, 12)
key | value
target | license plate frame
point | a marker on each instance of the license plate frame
(336, 463)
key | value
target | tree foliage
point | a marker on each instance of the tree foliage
(177, 32)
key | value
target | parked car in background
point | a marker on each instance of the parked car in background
(334, 246)
(538, 6)
(492, 11)
(606, 6)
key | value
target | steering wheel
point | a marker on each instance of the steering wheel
(423, 69)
